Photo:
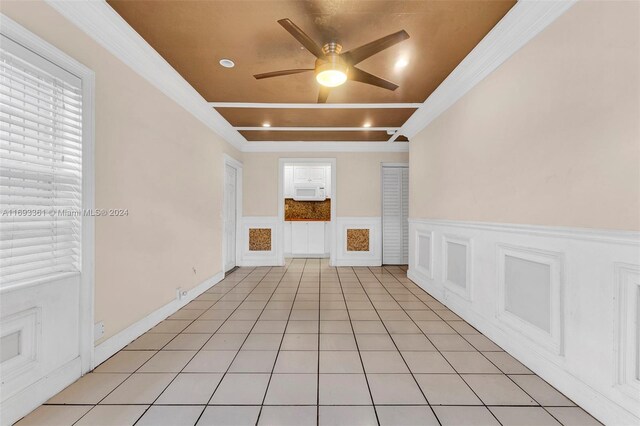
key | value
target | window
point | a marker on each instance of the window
(40, 167)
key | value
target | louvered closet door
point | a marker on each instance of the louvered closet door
(395, 208)
(405, 216)
(40, 228)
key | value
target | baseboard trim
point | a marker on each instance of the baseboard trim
(261, 261)
(358, 262)
(584, 395)
(109, 347)
(30, 398)
(307, 256)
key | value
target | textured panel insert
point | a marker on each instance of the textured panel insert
(357, 240)
(528, 291)
(424, 252)
(259, 239)
(457, 264)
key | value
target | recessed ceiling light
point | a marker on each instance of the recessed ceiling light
(227, 63)
(367, 124)
(266, 125)
(401, 63)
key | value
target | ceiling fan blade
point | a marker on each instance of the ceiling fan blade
(303, 38)
(282, 72)
(361, 53)
(323, 95)
(356, 74)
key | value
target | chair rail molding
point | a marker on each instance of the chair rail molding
(556, 298)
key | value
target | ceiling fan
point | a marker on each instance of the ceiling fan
(334, 67)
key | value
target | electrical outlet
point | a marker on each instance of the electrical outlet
(98, 330)
(180, 293)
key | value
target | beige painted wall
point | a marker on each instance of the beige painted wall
(357, 179)
(552, 137)
(153, 158)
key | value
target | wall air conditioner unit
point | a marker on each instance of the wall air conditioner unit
(309, 192)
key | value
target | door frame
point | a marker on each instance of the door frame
(237, 165)
(333, 227)
(382, 166)
(86, 305)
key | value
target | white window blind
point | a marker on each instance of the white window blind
(40, 167)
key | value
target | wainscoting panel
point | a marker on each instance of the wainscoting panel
(457, 266)
(564, 301)
(627, 329)
(39, 338)
(530, 296)
(260, 245)
(424, 246)
(359, 241)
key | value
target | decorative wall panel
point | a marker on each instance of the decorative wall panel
(627, 328)
(359, 241)
(563, 301)
(260, 245)
(457, 265)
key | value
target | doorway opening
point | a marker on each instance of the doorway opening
(307, 207)
(232, 209)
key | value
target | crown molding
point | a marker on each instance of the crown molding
(525, 20)
(328, 146)
(100, 22)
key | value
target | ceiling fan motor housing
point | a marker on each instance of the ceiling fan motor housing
(331, 63)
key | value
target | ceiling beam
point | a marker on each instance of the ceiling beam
(325, 146)
(317, 129)
(267, 105)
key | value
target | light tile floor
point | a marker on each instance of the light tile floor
(311, 344)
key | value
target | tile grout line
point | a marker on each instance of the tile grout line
(133, 372)
(284, 332)
(318, 348)
(185, 366)
(391, 337)
(490, 361)
(364, 371)
(245, 339)
(435, 347)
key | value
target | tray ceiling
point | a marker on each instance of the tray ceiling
(194, 35)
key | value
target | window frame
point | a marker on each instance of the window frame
(47, 51)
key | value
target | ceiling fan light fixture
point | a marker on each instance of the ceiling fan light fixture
(331, 78)
(332, 72)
